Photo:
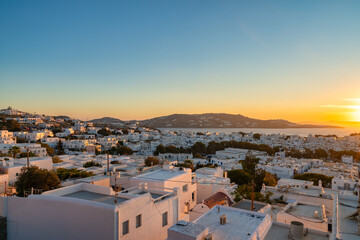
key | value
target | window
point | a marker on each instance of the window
(165, 219)
(138, 220)
(185, 188)
(193, 196)
(126, 227)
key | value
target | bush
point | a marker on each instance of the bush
(56, 159)
(64, 173)
(151, 161)
(91, 164)
(315, 177)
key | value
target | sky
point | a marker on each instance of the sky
(294, 60)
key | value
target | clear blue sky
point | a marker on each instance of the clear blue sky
(296, 60)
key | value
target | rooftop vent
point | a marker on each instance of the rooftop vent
(222, 219)
(297, 230)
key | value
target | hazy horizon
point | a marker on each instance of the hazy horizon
(296, 61)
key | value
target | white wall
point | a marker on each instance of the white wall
(47, 217)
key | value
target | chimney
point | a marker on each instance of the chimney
(222, 219)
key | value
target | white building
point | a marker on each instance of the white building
(170, 177)
(87, 211)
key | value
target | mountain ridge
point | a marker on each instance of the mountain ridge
(212, 120)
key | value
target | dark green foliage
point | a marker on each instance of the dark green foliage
(115, 162)
(24, 155)
(49, 149)
(244, 191)
(239, 177)
(60, 148)
(186, 164)
(315, 177)
(91, 164)
(198, 148)
(151, 161)
(212, 147)
(64, 173)
(257, 136)
(249, 164)
(119, 149)
(12, 125)
(37, 178)
(56, 159)
(104, 132)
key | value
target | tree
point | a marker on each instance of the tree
(249, 164)
(91, 164)
(56, 159)
(49, 149)
(257, 136)
(60, 148)
(239, 177)
(14, 151)
(187, 164)
(64, 173)
(199, 147)
(151, 161)
(104, 132)
(24, 155)
(315, 177)
(13, 125)
(37, 178)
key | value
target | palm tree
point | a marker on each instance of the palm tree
(14, 151)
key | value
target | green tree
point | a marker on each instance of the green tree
(56, 159)
(13, 125)
(187, 164)
(198, 147)
(91, 164)
(315, 177)
(64, 173)
(249, 164)
(257, 136)
(104, 132)
(151, 161)
(37, 178)
(49, 149)
(239, 177)
(14, 151)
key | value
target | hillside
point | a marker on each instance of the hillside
(221, 120)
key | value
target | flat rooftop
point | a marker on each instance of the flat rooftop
(347, 226)
(239, 224)
(96, 197)
(161, 174)
(281, 232)
(246, 205)
(306, 211)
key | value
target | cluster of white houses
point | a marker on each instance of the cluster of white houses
(169, 202)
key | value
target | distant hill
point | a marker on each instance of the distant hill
(221, 120)
(108, 120)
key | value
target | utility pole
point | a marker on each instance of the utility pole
(5, 189)
(108, 163)
(252, 194)
(28, 160)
